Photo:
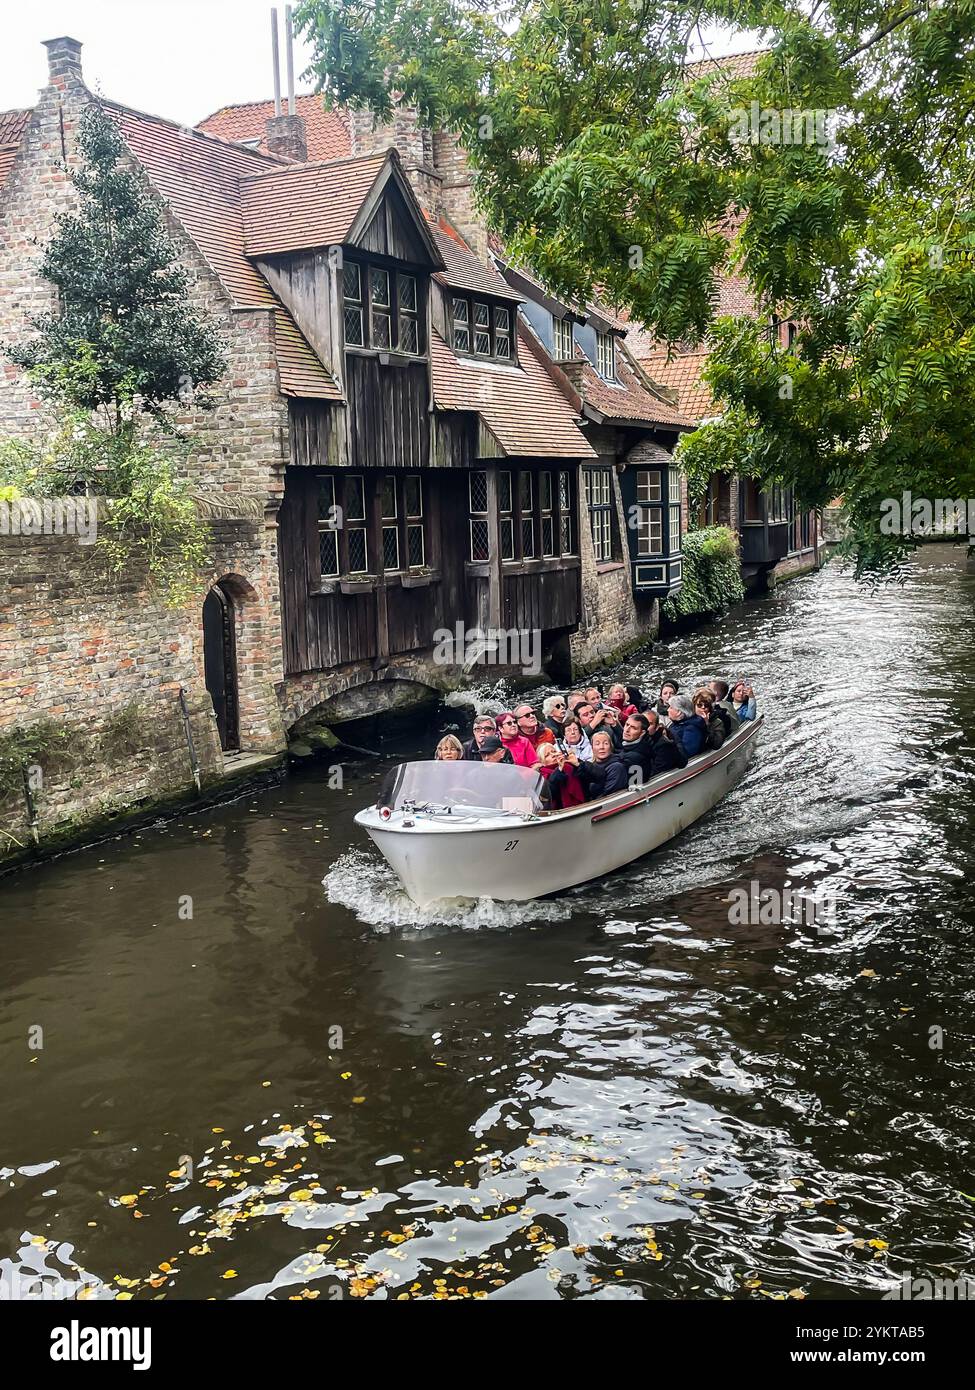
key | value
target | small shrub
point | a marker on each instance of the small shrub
(712, 575)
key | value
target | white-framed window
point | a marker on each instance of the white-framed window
(598, 483)
(564, 349)
(606, 356)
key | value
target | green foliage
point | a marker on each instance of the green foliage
(122, 345)
(151, 519)
(711, 568)
(606, 164)
(46, 744)
(123, 331)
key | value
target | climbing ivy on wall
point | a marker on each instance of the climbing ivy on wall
(712, 574)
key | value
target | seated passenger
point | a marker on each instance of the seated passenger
(521, 750)
(687, 729)
(704, 707)
(529, 726)
(617, 698)
(667, 752)
(636, 750)
(606, 773)
(723, 705)
(608, 718)
(744, 700)
(637, 698)
(668, 689)
(449, 749)
(554, 710)
(561, 776)
(576, 741)
(484, 727)
(494, 751)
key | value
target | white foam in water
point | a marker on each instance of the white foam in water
(365, 884)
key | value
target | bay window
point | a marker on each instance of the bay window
(382, 308)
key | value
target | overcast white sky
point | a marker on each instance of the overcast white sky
(176, 58)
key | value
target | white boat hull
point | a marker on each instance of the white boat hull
(514, 859)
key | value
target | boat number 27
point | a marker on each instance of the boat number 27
(510, 845)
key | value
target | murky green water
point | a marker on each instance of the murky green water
(614, 1094)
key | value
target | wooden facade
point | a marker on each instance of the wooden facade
(398, 519)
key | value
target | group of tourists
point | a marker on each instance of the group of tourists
(587, 746)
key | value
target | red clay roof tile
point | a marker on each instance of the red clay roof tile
(302, 206)
(326, 132)
(521, 406)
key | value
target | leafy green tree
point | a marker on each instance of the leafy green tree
(835, 173)
(123, 333)
(122, 344)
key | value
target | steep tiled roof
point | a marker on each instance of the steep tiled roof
(522, 407)
(464, 271)
(326, 133)
(682, 373)
(732, 65)
(12, 126)
(300, 206)
(631, 399)
(199, 177)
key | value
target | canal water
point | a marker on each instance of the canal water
(264, 1074)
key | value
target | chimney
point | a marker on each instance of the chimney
(63, 61)
(285, 134)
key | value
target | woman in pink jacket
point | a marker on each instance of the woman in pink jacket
(520, 748)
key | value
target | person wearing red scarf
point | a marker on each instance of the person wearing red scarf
(617, 698)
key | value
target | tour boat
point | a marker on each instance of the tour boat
(480, 830)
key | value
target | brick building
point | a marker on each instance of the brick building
(394, 452)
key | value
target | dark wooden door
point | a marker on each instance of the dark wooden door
(220, 665)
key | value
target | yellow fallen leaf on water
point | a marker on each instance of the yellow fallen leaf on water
(345, 1075)
(229, 1274)
(200, 1249)
(129, 1200)
(357, 1100)
(120, 1297)
(216, 1130)
(796, 1293)
(867, 975)
(158, 1282)
(878, 1244)
(305, 1194)
(165, 1266)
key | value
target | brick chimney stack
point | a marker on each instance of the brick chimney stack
(63, 61)
(285, 135)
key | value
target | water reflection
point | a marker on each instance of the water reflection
(612, 1094)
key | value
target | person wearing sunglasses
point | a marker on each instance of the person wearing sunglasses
(529, 726)
(554, 710)
(484, 727)
(522, 752)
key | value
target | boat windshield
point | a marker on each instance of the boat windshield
(496, 787)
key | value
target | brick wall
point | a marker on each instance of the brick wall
(74, 646)
(612, 619)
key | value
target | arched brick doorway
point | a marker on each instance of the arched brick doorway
(220, 664)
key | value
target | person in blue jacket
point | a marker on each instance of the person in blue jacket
(686, 728)
(744, 700)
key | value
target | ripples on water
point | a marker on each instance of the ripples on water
(613, 1094)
